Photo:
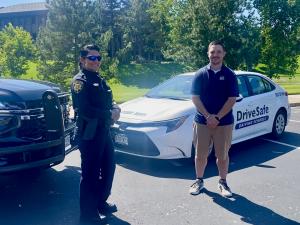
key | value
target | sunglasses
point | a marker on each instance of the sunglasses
(94, 57)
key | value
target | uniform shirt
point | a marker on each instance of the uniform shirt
(92, 101)
(214, 90)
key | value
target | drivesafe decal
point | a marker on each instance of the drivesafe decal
(251, 117)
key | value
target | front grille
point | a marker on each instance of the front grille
(33, 129)
(64, 102)
(138, 143)
(33, 104)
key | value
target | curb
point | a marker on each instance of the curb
(295, 104)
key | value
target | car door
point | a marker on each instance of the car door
(252, 114)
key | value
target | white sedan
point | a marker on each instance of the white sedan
(159, 124)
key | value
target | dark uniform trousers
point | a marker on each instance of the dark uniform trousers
(98, 168)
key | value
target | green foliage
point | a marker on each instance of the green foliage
(31, 73)
(280, 34)
(141, 34)
(193, 24)
(16, 50)
(69, 26)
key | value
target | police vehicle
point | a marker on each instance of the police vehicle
(35, 126)
(159, 124)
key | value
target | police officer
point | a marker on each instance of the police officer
(95, 112)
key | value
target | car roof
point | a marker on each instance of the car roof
(237, 72)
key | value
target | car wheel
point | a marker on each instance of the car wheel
(279, 124)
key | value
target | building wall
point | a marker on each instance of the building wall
(30, 21)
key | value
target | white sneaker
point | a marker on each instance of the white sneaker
(196, 187)
(225, 190)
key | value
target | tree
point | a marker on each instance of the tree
(161, 15)
(192, 24)
(141, 33)
(280, 35)
(68, 27)
(16, 50)
(113, 13)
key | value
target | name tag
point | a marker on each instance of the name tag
(222, 78)
(95, 84)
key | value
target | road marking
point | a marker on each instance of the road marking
(281, 143)
(295, 121)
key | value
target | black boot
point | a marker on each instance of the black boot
(107, 208)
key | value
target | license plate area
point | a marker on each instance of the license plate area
(121, 139)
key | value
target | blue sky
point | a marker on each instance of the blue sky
(5, 3)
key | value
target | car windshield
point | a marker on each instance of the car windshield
(178, 88)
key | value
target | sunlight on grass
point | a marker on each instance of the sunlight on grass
(124, 93)
(137, 79)
(290, 84)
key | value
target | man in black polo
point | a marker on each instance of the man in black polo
(214, 92)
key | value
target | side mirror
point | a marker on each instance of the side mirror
(240, 98)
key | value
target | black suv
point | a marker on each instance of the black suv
(35, 124)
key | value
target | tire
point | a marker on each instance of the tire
(279, 124)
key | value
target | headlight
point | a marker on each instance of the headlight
(8, 123)
(170, 124)
(175, 124)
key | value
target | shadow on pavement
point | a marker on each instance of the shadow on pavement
(290, 137)
(46, 197)
(249, 211)
(243, 155)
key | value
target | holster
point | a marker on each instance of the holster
(86, 128)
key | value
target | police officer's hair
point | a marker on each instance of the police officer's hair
(217, 43)
(85, 50)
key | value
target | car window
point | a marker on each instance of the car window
(178, 87)
(243, 90)
(257, 84)
(268, 85)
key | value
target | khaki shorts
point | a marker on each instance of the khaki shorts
(220, 136)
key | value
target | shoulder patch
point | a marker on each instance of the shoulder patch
(77, 86)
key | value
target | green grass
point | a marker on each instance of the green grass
(290, 84)
(137, 79)
(124, 93)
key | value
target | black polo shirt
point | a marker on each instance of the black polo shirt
(214, 90)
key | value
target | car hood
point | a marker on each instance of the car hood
(146, 109)
(13, 90)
